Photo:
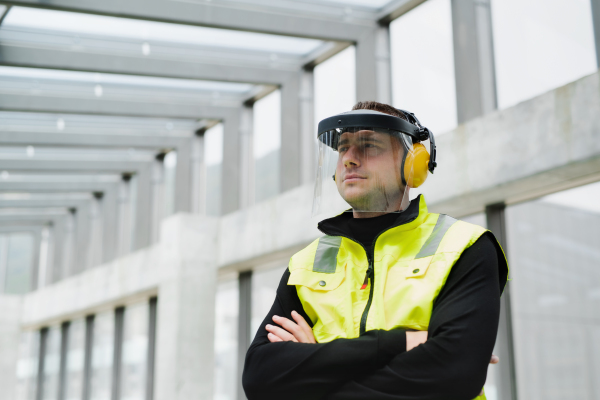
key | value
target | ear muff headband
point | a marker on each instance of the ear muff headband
(415, 166)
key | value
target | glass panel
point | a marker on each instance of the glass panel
(422, 55)
(75, 360)
(226, 330)
(540, 45)
(19, 265)
(102, 356)
(27, 365)
(135, 351)
(51, 364)
(553, 249)
(264, 288)
(72, 29)
(213, 154)
(335, 85)
(267, 142)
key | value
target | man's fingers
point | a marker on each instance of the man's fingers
(291, 327)
(495, 359)
(304, 326)
(274, 338)
(281, 333)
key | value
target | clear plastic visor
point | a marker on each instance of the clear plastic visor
(364, 168)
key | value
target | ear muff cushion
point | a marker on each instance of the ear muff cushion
(416, 166)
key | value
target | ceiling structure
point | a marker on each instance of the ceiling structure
(100, 100)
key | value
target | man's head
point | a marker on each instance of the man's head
(369, 166)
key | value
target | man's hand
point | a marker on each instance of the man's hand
(298, 331)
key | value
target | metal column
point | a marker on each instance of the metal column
(87, 360)
(117, 353)
(230, 167)
(62, 372)
(290, 153)
(474, 66)
(308, 142)
(244, 325)
(151, 355)
(198, 177)
(246, 157)
(507, 378)
(158, 194)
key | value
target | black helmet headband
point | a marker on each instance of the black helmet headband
(376, 119)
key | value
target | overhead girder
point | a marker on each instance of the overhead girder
(14, 55)
(257, 19)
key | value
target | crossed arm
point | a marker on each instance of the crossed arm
(451, 364)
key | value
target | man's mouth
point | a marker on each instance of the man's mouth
(353, 178)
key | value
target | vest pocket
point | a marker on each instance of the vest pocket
(318, 281)
(418, 268)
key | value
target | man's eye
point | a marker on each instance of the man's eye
(342, 149)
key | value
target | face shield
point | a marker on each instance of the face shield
(369, 167)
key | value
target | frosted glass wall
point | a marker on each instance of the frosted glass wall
(135, 351)
(554, 255)
(75, 360)
(423, 80)
(540, 45)
(102, 356)
(226, 330)
(51, 364)
(27, 365)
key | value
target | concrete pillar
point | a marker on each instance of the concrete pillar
(473, 59)
(10, 318)
(230, 175)
(308, 128)
(158, 194)
(183, 178)
(290, 153)
(124, 212)
(81, 239)
(596, 19)
(246, 157)
(46, 260)
(373, 66)
(198, 178)
(186, 308)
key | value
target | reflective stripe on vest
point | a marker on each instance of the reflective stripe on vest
(326, 255)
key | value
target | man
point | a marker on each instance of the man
(393, 302)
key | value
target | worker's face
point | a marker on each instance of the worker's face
(368, 170)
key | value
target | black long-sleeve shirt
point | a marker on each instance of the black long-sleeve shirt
(452, 364)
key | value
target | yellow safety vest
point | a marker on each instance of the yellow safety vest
(330, 272)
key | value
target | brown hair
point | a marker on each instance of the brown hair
(381, 107)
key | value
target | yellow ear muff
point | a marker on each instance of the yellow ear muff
(416, 166)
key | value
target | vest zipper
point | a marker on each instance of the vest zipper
(370, 275)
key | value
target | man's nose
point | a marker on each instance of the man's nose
(351, 157)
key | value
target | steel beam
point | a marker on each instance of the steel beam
(267, 20)
(242, 71)
(474, 66)
(100, 106)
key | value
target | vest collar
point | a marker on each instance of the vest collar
(413, 216)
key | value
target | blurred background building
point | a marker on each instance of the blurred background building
(157, 159)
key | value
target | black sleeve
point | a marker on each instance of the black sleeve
(309, 371)
(453, 363)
